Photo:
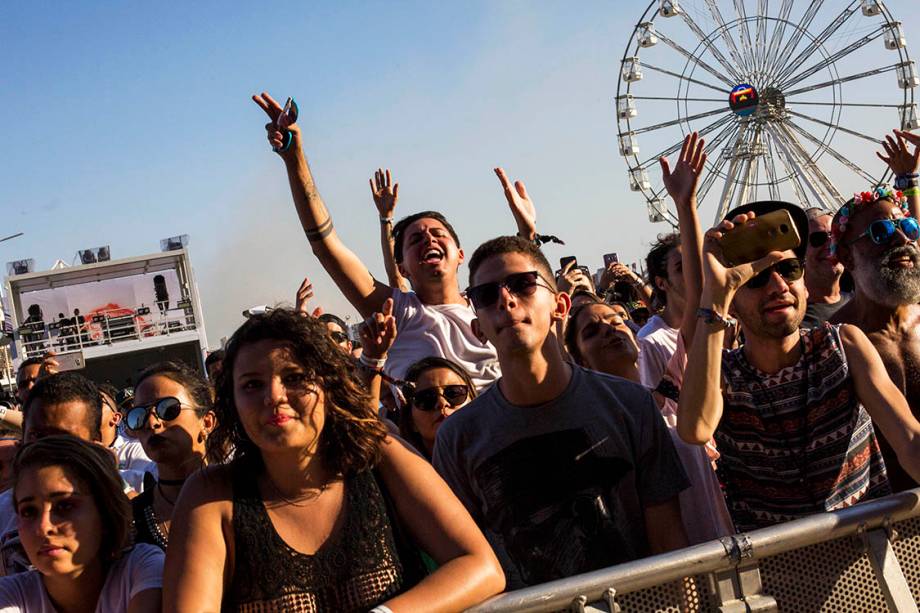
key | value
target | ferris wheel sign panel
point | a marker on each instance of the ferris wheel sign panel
(792, 97)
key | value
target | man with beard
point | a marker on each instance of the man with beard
(876, 240)
(822, 271)
(434, 319)
(791, 424)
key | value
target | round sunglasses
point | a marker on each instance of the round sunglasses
(790, 270)
(427, 399)
(164, 409)
(881, 231)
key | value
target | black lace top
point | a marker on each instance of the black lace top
(354, 570)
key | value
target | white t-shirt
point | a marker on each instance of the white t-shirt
(657, 343)
(131, 455)
(137, 570)
(441, 330)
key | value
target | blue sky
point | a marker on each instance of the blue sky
(124, 123)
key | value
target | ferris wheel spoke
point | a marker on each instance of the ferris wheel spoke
(746, 40)
(861, 75)
(830, 150)
(788, 78)
(684, 78)
(734, 168)
(780, 60)
(679, 99)
(779, 31)
(769, 163)
(674, 122)
(809, 165)
(872, 140)
(795, 170)
(853, 104)
(694, 59)
(815, 44)
(760, 34)
(710, 180)
(676, 146)
(709, 45)
(726, 37)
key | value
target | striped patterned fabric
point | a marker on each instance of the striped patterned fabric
(795, 442)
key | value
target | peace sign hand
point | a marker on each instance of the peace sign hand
(385, 193)
(279, 124)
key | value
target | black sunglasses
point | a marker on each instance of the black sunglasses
(818, 239)
(339, 337)
(427, 399)
(486, 295)
(165, 409)
(790, 270)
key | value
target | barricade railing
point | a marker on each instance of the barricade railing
(863, 558)
(104, 328)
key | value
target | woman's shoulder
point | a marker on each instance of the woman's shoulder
(22, 591)
(210, 484)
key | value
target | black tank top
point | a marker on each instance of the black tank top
(354, 570)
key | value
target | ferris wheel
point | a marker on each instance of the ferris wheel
(792, 97)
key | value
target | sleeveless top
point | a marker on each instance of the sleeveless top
(356, 569)
(798, 441)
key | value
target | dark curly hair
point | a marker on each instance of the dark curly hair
(352, 434)
(406, 429)
(92, 466)
(198, 389)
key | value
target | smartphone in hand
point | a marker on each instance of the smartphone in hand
(70, 361)
(610, 258)
(566, 260)
(773, 231)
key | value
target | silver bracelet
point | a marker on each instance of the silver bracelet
(381, 608)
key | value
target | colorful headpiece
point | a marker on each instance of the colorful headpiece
(861, 199)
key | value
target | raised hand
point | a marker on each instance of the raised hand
(899, 159)
(278, 125)
(570, 279)
(525, 214)
(682, 182)
(385, 193)
(378, 332)
(617, 271)
(304, 294)
(722, 280)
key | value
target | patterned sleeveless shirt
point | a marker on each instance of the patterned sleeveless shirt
(798, 441)
(355, 570)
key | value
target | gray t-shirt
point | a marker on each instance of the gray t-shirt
(559, 489)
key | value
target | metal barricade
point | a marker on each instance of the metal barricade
(863, 558)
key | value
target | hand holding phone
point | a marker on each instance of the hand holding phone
(610, 258)
(287, 117)
(773, 231)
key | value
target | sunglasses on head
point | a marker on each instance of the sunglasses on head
(164, 409)
(881, 231)
(427, 399)
(790, 270)
(818, 239)
(486, 295)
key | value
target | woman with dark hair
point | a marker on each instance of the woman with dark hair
(320, 510)
(171, 416)
(436, 388)
(75, 527)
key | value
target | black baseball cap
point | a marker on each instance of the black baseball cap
(762, 207)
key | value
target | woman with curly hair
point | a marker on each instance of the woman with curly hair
(319, 510)
(75, 527)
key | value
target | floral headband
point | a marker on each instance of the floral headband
(842, 218)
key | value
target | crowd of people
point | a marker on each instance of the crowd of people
(532, 426)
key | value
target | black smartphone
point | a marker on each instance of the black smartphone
(610, 258)
(565, 261)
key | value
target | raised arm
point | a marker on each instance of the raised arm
(385, 194)
(700, 406)
(522, 208)
(681, 185)
(304, 294)
(378, 332)
(351, 276)
(883, 400)
(903, 162)
(468, 571)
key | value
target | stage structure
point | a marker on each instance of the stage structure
(121, 314)
(792, 96)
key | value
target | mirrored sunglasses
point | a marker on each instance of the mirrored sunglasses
(164, 409)
(881, 231)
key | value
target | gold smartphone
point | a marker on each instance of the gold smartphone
(773, 231)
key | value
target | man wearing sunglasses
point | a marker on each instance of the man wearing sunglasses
(791, 423)
(822, 271)
(565, 469)
(879, 248)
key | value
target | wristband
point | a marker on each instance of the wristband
(386, 220)
(711, 317)
(906, 181)
(381, 608)
(372, 363)
(912, 191)
(3, 412)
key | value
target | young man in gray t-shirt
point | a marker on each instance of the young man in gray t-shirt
(566, 470)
